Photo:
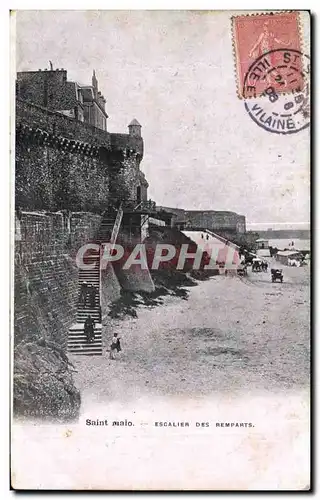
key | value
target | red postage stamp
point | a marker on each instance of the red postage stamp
(259, 37)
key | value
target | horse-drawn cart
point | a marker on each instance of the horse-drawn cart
(256, 265)
(242, 270)
(276, 274)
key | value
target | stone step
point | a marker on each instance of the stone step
(94, 273)
(95, 270)
(89, 272)
(82, 309)
(76, 339)
(87, 305)
(81, 337)
(91, 276)
(95, 283)
(88, 296)
(90, 281)
(80, 330)
(89, 311)
(91, 258)
(91, 263)
(79, 326)
(86, 312)
(92, 254)
(94, 264)
(82, 343)
(74, 335)
(81, 318)
(86, 351)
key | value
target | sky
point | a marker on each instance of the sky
(174, 72)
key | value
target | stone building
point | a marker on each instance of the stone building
(65, 158)
(228, 223)
(52, 90)
(94, 105)
(74, 184)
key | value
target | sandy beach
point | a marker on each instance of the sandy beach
(236, 352)
(232, 334)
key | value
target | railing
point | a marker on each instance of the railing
(139, 206)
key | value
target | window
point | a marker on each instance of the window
(139, 194)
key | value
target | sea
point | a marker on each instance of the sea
(298, 244)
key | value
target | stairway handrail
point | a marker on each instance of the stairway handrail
(116, 226)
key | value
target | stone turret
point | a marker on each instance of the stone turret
(134, 128)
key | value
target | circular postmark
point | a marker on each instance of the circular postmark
(276, 91)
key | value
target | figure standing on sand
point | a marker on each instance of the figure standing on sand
(115, 346)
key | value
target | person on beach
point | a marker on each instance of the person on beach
(115, 346)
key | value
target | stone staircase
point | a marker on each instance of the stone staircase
(92, 277)
(106, 228)
(110, 226)
(77, 341)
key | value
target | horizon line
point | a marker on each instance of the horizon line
(279, 223)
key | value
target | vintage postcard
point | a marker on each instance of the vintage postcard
(161, 256)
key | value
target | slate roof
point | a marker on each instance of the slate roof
(134, 122)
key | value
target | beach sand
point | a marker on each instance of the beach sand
(235, 352)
